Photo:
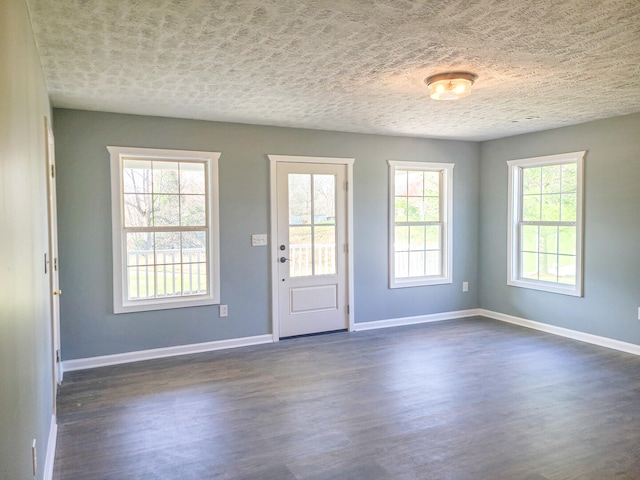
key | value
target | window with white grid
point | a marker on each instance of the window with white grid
(545, 223)
(165, 228)
(420, 223)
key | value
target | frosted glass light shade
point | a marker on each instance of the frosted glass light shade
(450, 86)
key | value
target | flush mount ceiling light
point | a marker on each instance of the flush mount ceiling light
(450, 85)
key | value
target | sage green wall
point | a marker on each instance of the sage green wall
(26, 403)
(89, 328)
(611, 299)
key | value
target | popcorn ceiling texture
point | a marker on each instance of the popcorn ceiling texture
(346, 65)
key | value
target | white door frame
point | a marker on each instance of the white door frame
(52, 257)
(273, 163)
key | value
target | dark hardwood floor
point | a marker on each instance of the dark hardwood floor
(461, 399)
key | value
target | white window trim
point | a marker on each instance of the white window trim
(514, 212)
(120, 303)
(446, 206)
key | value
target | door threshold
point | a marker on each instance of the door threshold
(315, 334)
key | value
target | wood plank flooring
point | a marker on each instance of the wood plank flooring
(461, 399)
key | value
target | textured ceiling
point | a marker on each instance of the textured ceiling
(346, 65)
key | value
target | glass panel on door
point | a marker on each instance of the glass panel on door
(312, 224)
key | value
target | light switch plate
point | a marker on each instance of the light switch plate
(259, 240)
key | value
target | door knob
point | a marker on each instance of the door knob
(57, 292)
(283, 259)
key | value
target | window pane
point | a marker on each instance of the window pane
(324, 198)
(433, 237)
(140, 270)
(548, 239)
(567, 269)
(529, 265)
(325, 235)
(568, 207)
(168, 280)
(300, 252)
(417, 238)
(137, 210)
(416, 209)
(401, 183)
(136, 176)
(193, 210)
(431, 184)
(402, 264)
(193, 247)
(531, 181)
(416, 264)
(325, 250)
(194, 278)
(551, 176)
(434, 263)
(415, 185)
(140, 248)
(167, 247)
(401, 209)
(548, 267)
(569, 177)
(530, 238)
(192, 178)
(531, 208)
(567, 242)
(551, 208)
(432, 209)
(299, 199)
(141, 282)
(401, 239)
(166, 210)
(165, 177)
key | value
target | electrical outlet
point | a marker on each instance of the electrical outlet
(465, 287)
(34, 458)
(224, 310)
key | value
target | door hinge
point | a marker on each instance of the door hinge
(53, 171)
(55, 264)
(57, 356)
(346, 186)
(348, 309)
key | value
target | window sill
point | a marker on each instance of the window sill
(419, 282)
(571, 290)
(165, 304)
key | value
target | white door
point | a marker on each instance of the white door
(311, 248)
(52, 260)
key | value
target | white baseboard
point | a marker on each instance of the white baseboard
(119, 358)
(433, 317)
(564, 332)
(106, 360)
(543, 327)
(50, 455)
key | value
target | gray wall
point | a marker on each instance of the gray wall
(26, 383)
(89, 328)
(612, 229)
